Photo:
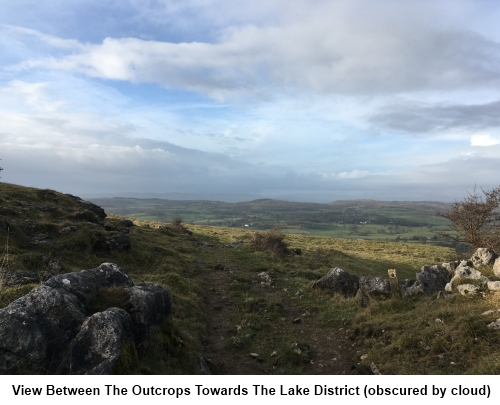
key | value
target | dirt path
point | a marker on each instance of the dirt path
(293, 342)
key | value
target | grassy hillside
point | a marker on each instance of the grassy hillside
(226, 310)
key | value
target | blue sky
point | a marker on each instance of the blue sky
(303, 100)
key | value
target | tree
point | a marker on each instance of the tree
(476, 219)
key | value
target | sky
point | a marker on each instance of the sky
(304, 100)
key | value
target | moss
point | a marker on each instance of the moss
(128, 361)
(11, 294)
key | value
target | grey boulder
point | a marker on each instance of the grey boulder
(483, 256)
(52, 328)
(339, 281)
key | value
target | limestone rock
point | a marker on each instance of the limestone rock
(483, 256)
(494, 325)
(430, 279)
(150, 305)
(118, 242)
(50, 328)
(493, 285)
(405, 288)
(34, 327)
(374, 287)
(468, 289)
(496, 267)
(86, 283)
(339, 281)
(264, 278)
(466, 272)
(88, 206)
(451, 266)
(99, 344)
(67, 229)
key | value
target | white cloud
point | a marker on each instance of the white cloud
(331, 50)
(354, 174)
(483, 140)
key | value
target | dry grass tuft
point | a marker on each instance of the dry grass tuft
(177, 226)
(272, 242)
(111, 297)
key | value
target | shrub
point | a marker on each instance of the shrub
(272, 242)
(476, 219)
(177, 226)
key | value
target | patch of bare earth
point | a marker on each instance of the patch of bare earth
(292, 342)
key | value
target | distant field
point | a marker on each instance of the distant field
(413, 222)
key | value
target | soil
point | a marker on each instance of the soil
(329, 350)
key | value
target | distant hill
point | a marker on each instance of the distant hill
(354, 219)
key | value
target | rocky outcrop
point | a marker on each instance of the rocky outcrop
(483, 257)
(53, 326)
(87, 206)
(466, 271)
(118, 242)
(430, 280)
(339, 281)
(99, 344)
(451, 266)
(374, 287)
(468, 289)
(405, 287)
(149, 304)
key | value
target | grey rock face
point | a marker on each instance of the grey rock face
(118, 242)
(483, 256)
(430, 279)
(50, 327)
(34, 327)
(374, 287)
(150, 304)
(98, 345)
(339, 281)
(86, 283)
(405, 287)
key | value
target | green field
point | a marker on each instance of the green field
(412, 222)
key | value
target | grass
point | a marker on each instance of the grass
(400, 337)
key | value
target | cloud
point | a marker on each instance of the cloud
(319, 54)
(419, 117)
(354, 174)
(483, 140)
(300, 89)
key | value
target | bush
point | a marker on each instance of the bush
(476, 219)
(272, 242)
(177, 226)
